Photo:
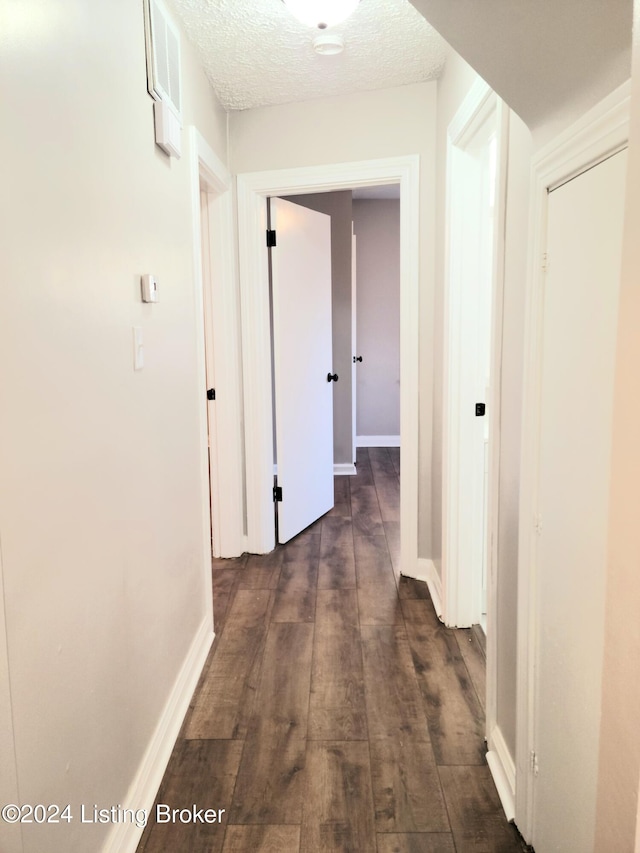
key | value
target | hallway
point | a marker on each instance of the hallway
(335, 712)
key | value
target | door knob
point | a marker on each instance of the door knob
(332, 377)
(357, 358)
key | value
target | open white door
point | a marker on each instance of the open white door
(302, 352)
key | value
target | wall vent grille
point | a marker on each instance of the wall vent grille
(163, 56)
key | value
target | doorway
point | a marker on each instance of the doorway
(473, 311)
(252, 190)
(217, 317)
(373, 318)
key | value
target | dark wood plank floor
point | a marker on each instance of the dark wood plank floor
(335, 712)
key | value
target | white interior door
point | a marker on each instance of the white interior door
(302, 352)
(584, 240)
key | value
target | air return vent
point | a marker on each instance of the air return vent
(163, 69)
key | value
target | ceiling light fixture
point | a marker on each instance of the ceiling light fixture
(321, 13)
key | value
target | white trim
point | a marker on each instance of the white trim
(124, 837)
(472, 108)
(603, 131)
(460, 584)
(503, 770)
(427, 572)
(377, 441)
(253, 188)
(489, 622)
(217, 308)
(344, 469)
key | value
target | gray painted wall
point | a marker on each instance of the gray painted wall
(377, 227)
(338, 206)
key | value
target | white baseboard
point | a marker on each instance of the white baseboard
(503, 770)
(377, 441)
(427, 572)
(124, 837)
(344, 468)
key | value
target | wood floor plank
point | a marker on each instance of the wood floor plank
(373, 563)
(262, 839)
(394, 703)
(229, 562)
(225, 697)
(412, 588)
(338, 815)
(269, 785)
(201, 772)
(378, 605)
(337, 560)
(224, 585)
(365, 512)
(254, 577)
(477, 819)
(363, 467)
(388, 492)
(416, 842)
(362, 457)
(381, 463)
(295, 597)
(337, 706)
(456, 718)
(392, 532)
(406, 787)
(341, 498)
(394, 454)
(475, 661)
(272, 560)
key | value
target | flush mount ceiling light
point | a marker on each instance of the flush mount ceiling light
(321, 13)
(328, 44)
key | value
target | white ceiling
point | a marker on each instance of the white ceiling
(255, 53)
(550, 60)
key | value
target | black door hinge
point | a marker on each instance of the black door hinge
(277, 493)
(211, 394)
(480, 410)
(271, 239)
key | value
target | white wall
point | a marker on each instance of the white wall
(100, 506)
(377, 228)
(338, 206)
(363, 126)
(619, 736)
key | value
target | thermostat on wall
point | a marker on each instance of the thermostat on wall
(149, 288)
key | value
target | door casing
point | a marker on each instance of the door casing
(253, 188)
(461, 580)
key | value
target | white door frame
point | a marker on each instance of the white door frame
(460, 588)
(253, 188)
(461, 584)
(603, 131)
(217, 337)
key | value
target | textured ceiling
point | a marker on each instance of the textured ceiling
(255, 53)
